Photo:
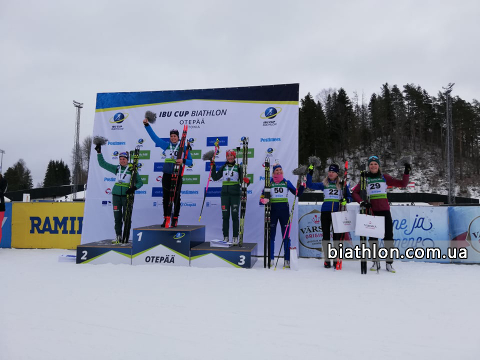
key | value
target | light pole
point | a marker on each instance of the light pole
(76, 153)
(450, 145)
(1, 162)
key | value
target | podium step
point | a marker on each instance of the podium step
(205, 256)
(153, 245)
(104, 252)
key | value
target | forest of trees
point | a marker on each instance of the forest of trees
(57, 173)
(393, 123)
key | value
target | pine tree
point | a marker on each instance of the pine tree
(18, 177)
(57, 174)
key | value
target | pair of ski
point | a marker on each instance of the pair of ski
(175, 185)
(127, 216)
(243, 186)
(342, 207)
(363, 195)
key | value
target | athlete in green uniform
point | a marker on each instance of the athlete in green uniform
(121, 187)
(231, 173)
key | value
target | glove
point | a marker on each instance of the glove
(408, 167)
(246, 180)
(264, 201)
(343, 202)
(98, 148)
(310, 170)
(366, 205)
(131, 190)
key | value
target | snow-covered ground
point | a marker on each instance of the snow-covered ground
(56, 310)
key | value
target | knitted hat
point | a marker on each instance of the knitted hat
(334, 167)
(276, 166)
(174, 131)
(123, 154)
(231, 152)
(374, 158)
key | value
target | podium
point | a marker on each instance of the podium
(203, 255)
(183, 245)
(104, 252)
(154, 245)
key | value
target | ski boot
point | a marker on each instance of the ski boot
(117, 240)
(327, 264)
(390, 268)
(287, 264)
(175, 221)
(375, 266)
(235, 241)
(164, 222)
(226, 239)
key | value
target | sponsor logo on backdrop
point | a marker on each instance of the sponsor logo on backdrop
(250, 153)
(158, 167)
(140, 192)
(144, 179)
(191, 141)
(111, 179)
(108, 191)
(115, 155)
(117, 120)
(269, 114)
(56, 225)
(191, 179)
(188, 204)
(189, 192)
(269, 153)
(117, 143)
(222, 140)
(213, 191)
(106, 203)
(196, 154)
(249, 192)
(139, 165)
(270, 139)
(159, 178)
(144, 155)
(157, 192)
(211, 203)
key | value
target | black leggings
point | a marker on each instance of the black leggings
(166, 184)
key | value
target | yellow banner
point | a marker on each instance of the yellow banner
(55, 225)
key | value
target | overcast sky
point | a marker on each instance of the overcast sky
(56, 51)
